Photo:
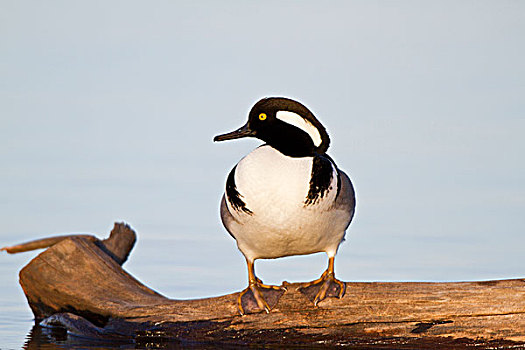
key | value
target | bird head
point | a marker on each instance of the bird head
(284, 124)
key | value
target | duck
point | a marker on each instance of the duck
(287, 197)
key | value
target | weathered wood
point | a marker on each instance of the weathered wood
(78, 285)
(118, 245)
(42, 243)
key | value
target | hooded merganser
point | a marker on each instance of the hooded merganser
(287, 197)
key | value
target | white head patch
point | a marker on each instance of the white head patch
(301, 123)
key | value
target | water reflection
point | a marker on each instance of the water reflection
(58, 338)
(43, 338)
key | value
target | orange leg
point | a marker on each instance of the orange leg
(325, 283)
(257, 289)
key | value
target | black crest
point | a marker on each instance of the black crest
(322, 173)
(234, 197)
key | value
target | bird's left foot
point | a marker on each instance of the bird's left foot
(325, 286)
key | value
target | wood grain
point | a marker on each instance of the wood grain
(78, 283)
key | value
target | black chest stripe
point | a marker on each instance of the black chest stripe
(320, 180)
(233, 196)
(338, 175)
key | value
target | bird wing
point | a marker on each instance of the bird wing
(226, 217)
(346, 196)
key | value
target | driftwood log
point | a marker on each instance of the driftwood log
(78, 284)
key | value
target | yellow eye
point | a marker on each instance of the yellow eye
(262, 116)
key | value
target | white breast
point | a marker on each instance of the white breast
(273, 183)
(274, 188)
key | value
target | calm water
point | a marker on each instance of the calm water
(183, 251)
(190, 260)
(108, 110)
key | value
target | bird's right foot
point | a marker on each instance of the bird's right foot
(259, 297)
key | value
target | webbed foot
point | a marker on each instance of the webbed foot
(325, 286)
(258, 297)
